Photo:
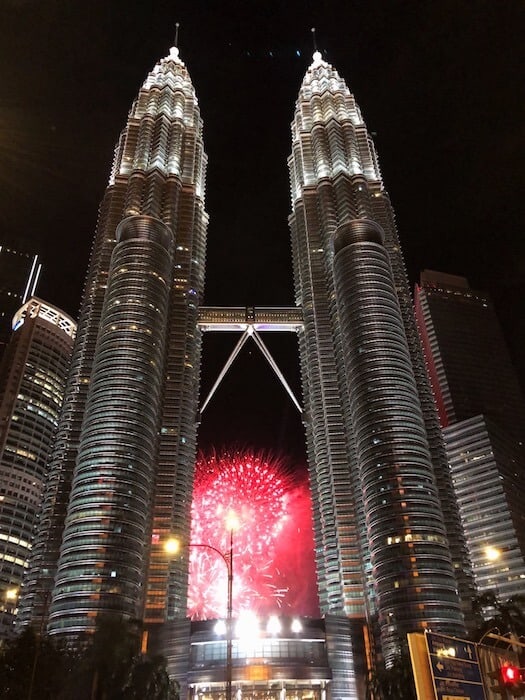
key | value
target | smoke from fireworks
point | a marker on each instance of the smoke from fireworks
(272, 545)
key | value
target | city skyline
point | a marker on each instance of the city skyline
(387, 535)
(422, 97)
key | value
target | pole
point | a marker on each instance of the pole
(229, 631)
(227, 558)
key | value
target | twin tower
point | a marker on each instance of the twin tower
(388, 542)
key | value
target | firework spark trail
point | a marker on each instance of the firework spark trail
(275, 528)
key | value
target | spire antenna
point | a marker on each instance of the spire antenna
(314, 38)
(176, 44)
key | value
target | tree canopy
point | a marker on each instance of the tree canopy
(108, 666)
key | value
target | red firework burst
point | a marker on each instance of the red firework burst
(274, 515)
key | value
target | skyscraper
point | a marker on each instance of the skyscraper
(377, 464)
(32, 382)
(482, 412)
(469, 363)
(121, 473)
(487, 470)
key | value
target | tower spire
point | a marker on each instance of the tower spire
(314, 40)
(317, 56)
(174, 51)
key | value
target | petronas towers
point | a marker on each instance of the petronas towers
(120, 477)
(388, 546)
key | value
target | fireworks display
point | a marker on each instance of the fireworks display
(272, 543)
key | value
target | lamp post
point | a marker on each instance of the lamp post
(173, 545)
(229, 616)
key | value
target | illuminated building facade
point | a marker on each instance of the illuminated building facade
(275, 658)
(387, 533)
(32, 383)
(469, 363)
(19, 274)
(482, 411)
(379, 477)
(487, 469)
(121, 472)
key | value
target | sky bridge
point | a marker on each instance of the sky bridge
(250, 321)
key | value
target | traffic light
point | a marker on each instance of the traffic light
(510, 681)
(510, 675)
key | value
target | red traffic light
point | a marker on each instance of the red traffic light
(510, 675)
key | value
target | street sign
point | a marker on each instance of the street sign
(455, 669)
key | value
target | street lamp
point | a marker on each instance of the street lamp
(173, 546)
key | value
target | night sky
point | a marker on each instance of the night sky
(440, 84)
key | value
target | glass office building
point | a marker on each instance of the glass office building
(389, 548)
(482, 411)
(32, 383)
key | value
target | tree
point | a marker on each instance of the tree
(113, 668)
(28, 661)
(105, 666)
(149, 679)
(396, 681)
(508, 616)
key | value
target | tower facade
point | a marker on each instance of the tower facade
(32, 383)
(482, 411)
(379, 478)
(121, 472)
(469, 363)
(388, 537)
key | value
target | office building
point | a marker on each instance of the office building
(487, 469)
(275, 657)
(469, 363)
(482, 412)
(119, 485)
(377, 464)
(389, 548)
(32, 383)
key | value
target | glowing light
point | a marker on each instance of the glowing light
(11, 594)
(296, 626)
(274, 625)
(220, 628)
(247, 627)
(450, 651)
(273, 540)
(172, 546)
(492, 553)
(232, 521)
